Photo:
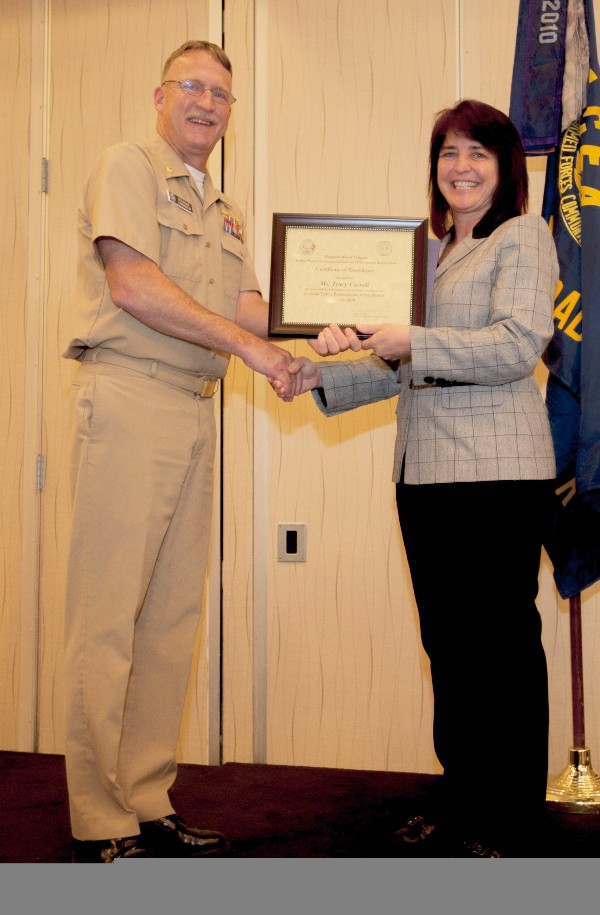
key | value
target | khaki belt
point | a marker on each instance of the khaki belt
(200, 385)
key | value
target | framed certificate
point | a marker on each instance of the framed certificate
(345, 270)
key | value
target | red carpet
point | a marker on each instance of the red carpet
(266, 811)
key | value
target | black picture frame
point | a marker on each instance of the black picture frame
(314, 284)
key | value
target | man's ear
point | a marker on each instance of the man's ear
(159, 96)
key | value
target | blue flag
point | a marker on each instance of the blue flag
(536, 91)
(572, 207)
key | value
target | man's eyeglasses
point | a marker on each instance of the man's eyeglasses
(197, 89)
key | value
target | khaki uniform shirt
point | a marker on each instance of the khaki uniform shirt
(145, 197)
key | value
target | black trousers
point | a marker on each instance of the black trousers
(474, 553)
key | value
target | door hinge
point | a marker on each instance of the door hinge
(45, 176)
(40, 472)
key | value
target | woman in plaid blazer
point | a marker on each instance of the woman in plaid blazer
(473, 468)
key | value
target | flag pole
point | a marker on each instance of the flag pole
(554, 104)
(577, 788)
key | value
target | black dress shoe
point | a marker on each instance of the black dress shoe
(170, 837)
(438, 840)
(416, 830)
(475, 850)
(105, 851)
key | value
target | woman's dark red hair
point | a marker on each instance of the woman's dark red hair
(496, 132)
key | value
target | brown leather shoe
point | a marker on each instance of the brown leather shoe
(105, 851)
(170, 837)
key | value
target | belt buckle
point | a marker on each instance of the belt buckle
(209, 388)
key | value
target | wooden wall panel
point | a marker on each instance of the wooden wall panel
(351, 95)
(15, 52)
(352, 91)
(239, 542)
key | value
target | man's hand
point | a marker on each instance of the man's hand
(305, 376)
(273, 362)
(333, 340)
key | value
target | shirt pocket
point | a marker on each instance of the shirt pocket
(181, 244)
(233, 261)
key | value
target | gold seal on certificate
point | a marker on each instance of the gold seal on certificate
(345, 270)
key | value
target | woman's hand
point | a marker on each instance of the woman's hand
(388, 341)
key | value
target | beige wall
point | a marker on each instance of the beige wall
(15, 51)
(321, 661)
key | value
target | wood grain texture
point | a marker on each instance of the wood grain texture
(15, 48)
(351, 96)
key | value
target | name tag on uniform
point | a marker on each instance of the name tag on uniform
(179, 202)
(232, 226)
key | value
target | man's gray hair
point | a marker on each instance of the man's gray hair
(213, 49)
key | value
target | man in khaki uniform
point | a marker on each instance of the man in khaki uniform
(166, 292)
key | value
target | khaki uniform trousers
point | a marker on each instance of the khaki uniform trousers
(142, 483)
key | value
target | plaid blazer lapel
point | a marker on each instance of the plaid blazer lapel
(462, 249)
